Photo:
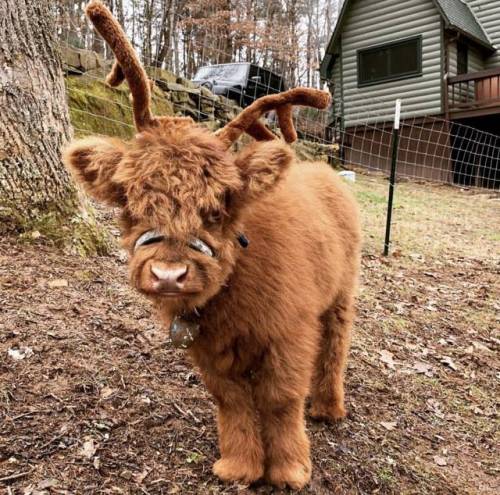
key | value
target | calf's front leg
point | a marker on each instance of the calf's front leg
(286, 443)
(280, 395)
(240, 442)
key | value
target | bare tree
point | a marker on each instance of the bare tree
(288, 36)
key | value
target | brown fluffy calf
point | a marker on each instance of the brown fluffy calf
(274, 320)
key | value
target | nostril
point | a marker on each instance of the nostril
(181, 278)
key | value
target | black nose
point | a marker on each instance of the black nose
(169, 277)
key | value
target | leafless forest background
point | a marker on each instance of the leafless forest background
(287, 36)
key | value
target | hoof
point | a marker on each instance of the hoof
(296, 475)
(228, 469)
(327, 412)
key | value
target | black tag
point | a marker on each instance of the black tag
(243, 240)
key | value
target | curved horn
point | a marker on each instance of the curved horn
(126, 66)
(248, 119)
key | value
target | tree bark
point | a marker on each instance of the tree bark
(147, 44)
(34, 121)
(163, 44)
(226, 48)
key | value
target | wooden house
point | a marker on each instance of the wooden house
(442, 58)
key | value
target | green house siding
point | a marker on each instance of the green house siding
(488, 14)
(337, 92)
(475, 63)
(369, 23)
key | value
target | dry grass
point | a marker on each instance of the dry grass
(431, 220)
(98, 409)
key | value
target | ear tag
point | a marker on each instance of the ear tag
(243, 240)
(183, 332)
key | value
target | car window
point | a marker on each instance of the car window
(276, 83)
(264, 80)
(258, 81)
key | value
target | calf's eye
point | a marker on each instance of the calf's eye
(149, 237)
(214, 217)
(201, 246)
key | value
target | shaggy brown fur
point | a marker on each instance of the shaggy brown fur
(275, 318)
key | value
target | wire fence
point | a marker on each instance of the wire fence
(352, 135)
(431, 148)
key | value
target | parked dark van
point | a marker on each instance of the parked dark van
(241, 82)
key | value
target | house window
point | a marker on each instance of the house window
(390, 62)
(462, 58)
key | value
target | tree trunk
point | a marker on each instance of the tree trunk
(119, 12)
(34, 122)
(226, 49)
(147, 43)
(36, 192)
(163, 44)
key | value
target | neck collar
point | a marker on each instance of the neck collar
(184, 329)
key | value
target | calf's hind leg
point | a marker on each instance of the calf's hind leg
(327, 394)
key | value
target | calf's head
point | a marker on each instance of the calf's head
(179, 187)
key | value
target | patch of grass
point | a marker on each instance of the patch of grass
(433, 220)
(195, 458)
(385, 477)
(370, 197)
(493, 236)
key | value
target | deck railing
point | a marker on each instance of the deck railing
(474, 90)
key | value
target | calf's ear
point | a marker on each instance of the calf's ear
(93, 162)
(262, 165)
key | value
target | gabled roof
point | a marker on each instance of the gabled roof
(456, 14)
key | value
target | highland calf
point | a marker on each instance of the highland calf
(269, 324)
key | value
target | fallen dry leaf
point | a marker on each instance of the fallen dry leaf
(140, 477)
(389, 425)
(57, 282)
(440, 461)
(421, 367)
(107, 392)
(387, 358)
(21, 353)
(446, 360)
(89, 448)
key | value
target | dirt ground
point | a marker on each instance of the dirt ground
(92, 400)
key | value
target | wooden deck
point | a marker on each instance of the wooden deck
(474, 94)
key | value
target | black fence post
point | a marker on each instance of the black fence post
(392, 179)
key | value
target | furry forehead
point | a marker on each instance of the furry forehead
(175, 174)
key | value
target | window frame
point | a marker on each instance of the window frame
(407, 75)
(462, 49)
